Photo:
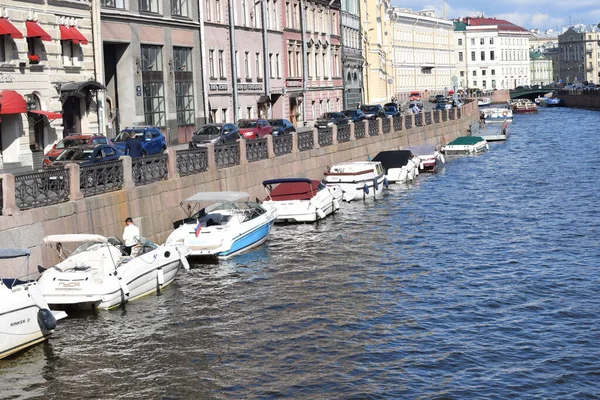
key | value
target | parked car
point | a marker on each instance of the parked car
(354, 115)
(281, 126)
(254, 128)
(329, 119)
(215, 134)
(391, 109)
(414, 96)
(73, 140)
(86, 154)
(373, 111)
(412, 104)
(153, 141)
(436, 98)
(443, 105)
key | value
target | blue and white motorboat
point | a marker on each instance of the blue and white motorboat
(229, 226)
(551, 102)
(25, 317)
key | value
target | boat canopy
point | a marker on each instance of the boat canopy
(466, 141)
(393, 158)
(14, 253)
(292, 189)
(75, 238)
(422, 150)
(228, 197)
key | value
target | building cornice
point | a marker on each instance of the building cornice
(146, 19)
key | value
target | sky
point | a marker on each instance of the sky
(529, 14)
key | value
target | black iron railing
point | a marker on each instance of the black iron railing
(257, 150)
(343, 133)
(397, 123)
(359, 130)
(451, 115)
(444, 115)
(374, 127)
(419, 119)
(192, 161)
(458, 113)
(428, 118)
(408, 122)
(101, 178)
(325, 137)
(436, 116)
(386, 126)
(282, 144)
(150, 169)
(305, 141)
(227, 155)
(41, 189)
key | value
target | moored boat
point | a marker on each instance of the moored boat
(551, 102)
(484, 101)
(229, 226)
(399, 166)
(466, 145)
(302, 199)
(429, 156)
(495, 132)
(497, 115)
(25, 317)
(524, 106)
(98, 274)
(358, 180)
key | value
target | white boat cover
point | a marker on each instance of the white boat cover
(14, 253)
(228, 197)
(422, 150)
(75, 238)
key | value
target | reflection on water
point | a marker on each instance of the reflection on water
(476, 282)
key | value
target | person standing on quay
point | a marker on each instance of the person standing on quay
(133, 146)
(130, 234)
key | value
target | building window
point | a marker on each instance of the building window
(271, 65)
(475, 83)
(247, 64)
(244, 14)
(149, 6)
(493, 72)
(218, 11)
(224, 115)
(179, 8)
(491, 40)
(211, 63)
(290, 64)
(278, 70)
(113, 3)
(71, 53)
(473, 41)
(483, 72)
(221, 65)
(3, 48)
(184, 86)
(462, 74)
(460, 42)
(208, 10)
(153, 87)
(483, 56)
(460, 56)
(482, 41)
(249, 112)
(492, 57)
(257, 66)
(472, 56)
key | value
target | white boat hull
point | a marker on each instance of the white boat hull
(361, 190)
(406, 174)
(478, 147)
(323, 204)
(359, 180)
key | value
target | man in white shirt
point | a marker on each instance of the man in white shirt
(130, 234)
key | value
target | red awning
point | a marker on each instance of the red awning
(66, 34)
(12, 102)
(35, 30)
(78, 36)
(6, 28)
(49, 114)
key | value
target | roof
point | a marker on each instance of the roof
(426, 149)
(14, 253)
(393, 158)
(293, 189)
(502, 24)
(75, 238)
(466, 141)
(81, 86)
(228, 197)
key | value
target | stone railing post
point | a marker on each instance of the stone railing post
(412, 120)
(9, 200)
(352, 136)
(380, 125)
(243, 155)
(74, 181)
(172, 163)
(316, 144)
(334, 130)
(367, 123)
(128, 182)
(270, 149)
(295, 142)
(210, 157)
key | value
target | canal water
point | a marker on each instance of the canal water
(478, 282)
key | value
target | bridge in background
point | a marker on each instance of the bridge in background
(530, 94)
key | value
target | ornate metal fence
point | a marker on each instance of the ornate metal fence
(343, 133)
(397, 123)
(408, 122)
(41, 189)
(359, 130)
(305, 141)
(227, 155)
(419, 119)
(257, 150)
(282, 144)
(386, 125)
(101, 178)
(325, 137)
(444, 115)
(451, 115)
(459, 113)
(428, 118)
(436, 116)
(192, 161)
(373, 127)
(150, 169)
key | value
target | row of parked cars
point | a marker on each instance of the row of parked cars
(362, 113)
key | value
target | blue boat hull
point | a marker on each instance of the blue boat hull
(248, 240)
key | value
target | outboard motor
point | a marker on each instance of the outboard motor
(46, 320)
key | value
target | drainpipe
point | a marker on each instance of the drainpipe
(413, 53)
(234, 76)
(98, 67)
(304, 57)
(267, 64)
(203, 57)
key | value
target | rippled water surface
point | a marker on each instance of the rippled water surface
(478, 282)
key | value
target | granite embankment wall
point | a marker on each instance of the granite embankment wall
(154, 207)
(577, 99)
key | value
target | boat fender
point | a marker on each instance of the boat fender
(160, 277)
(487, 146)
(124, 287)
(375, 185)
(336, 204)
(46, 319)
(366, 189)
(184, 262)
(320, 213)
(443, 159)
(386, 184)
(504, 113)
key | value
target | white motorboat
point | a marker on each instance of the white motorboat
(225, 228)
(400, 166)
(25, 317)
(495, 133)
(466, 145)
(497, 115)
(358, 180)
(98, 274)
(430, 158)
(302, 199)
(484, 101)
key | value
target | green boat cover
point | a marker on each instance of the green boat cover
(466, 141)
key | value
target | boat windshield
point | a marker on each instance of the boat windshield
(85, 247)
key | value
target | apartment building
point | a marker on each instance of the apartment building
(542, 72)
(579, 54)
(352, 57)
